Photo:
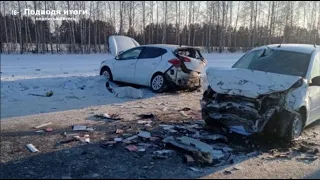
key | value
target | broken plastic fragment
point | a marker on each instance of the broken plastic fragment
(43, 125)
(127, 140)
(195, 169)
(132, 148)
(162, 152)
(106, 115)
(48, 129)
(183, 113)
(84, 139)
(119, 131)
(144, 134)
(117, 139)
(32, 148)
(40, 131)
(146, 116)
(144, 122)
(79, 128)
(239, 130)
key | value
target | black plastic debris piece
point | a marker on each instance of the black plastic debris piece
(185, 109)
(66, 141)
(146, 116)
(108, 87)
(48, 94)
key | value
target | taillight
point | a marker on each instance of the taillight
(175, 62)
(186, 59)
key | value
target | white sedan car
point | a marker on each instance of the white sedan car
(275, 89)
(156, 66)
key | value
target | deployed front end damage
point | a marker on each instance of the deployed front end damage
(240, 114)
(243, 111)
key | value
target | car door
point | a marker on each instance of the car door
(314, 91)
(125, 64)
(147, 63)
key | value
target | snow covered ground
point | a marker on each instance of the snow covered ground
(73, 79)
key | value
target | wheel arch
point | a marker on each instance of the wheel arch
(154, 74)
(105, 67)
(303, 113)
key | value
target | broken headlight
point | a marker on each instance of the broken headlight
(297, 84)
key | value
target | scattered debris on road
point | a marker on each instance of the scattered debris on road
(119, 131)
(43, 125)
(185, 109)
(107, 116)
(118, 139)
(227, 172)
(189, 159)
(144, 134)
(132, 148)
(146, 116)
(40, 131)
(195, 169)
(183, 114)
(79, 128)
(84, 139)
(32, 148)
(48, 94)
(125, 91)
(49, 129)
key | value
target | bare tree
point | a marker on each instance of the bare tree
(143, 21)
(121, 3)
(164, 35)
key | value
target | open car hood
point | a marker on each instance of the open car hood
(248, 83)
(121, 43)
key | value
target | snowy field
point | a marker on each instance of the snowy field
(73, 79)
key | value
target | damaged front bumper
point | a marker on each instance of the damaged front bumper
(240, 114)
(187, 80)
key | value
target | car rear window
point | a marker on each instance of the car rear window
(152, 52)
(192, 53)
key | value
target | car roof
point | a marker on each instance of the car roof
(303, 48)
(169, 46)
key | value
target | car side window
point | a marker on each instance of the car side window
(131, 54)
(316, 67)
(152, 52)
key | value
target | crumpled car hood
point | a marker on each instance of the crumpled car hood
(248, 83)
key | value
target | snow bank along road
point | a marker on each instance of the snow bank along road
(73, 79)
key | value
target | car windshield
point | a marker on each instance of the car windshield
(276, 61)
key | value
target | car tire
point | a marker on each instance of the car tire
(158, 83)
(107, 73)
(295, 127)
(282, 126)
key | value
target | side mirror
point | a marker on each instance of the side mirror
(315, 81)
(117, 57)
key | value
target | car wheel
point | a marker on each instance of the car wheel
(158, 83)
(107, 74)
(295, 127)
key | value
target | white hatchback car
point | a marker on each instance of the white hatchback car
(275, 89)
(157, 66)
